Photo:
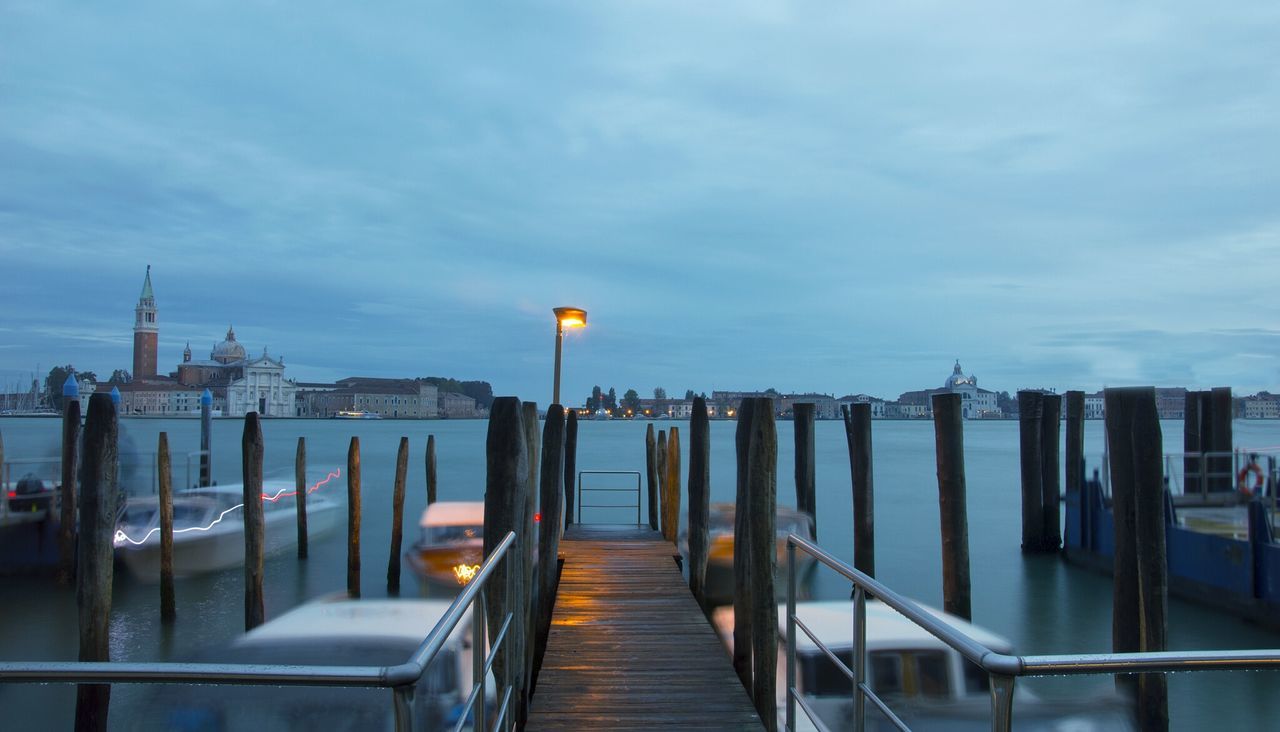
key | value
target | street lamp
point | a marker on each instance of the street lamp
(565, 318)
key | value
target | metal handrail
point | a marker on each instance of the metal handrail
(581, 489)
(399, 678)
(1001, 668)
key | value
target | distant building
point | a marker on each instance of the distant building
(146, 332)
(393, 398)
(1094, 406)
(975, 403)
(877, 405)
(1171, 403)
(458, 406)
(1262, 405)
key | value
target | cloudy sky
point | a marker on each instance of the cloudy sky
(807, 196)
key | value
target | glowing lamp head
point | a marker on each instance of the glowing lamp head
(571, 317)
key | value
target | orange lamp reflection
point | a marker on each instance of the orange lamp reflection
(464, 573)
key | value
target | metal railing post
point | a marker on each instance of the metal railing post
(791, 635)
(479, 611)
(402, 700)
(859, 658)
(1001, 703)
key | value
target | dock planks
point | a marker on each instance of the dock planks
(629, 648)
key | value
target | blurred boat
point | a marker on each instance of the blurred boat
(338, 632)
(926, 682)
(208, 527)
(719, 582)
(451, 547)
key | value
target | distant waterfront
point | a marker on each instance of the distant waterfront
(1041, 604)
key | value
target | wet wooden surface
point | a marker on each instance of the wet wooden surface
(629, 649)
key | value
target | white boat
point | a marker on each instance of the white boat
(927, 683)
(208, 527)
(451, 547)
(719, 581)
(335, 632)
(355, 414)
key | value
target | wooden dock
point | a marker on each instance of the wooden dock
(629, 649)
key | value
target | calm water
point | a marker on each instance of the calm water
(1039, 603)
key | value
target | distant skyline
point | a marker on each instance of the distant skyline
(741, 195)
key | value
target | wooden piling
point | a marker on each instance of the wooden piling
(99, 468)
(699, 498)
(741, 556)
(671, 506)
(1030, 416)
(353, 518)
(1140, 580)
(1075, 456)
(300, 486)
(1222, 412)
(506, 482)
(431, 469)
(948, 425)
(1192, 444)
(651, 474)
(168, 606)
(662, 480)
(803, 415)
(529, 419)
(397, 517)
(67, 491)
(1050, 473)
(857, 433)
(762, 491)
(552, 496)
(251, 466)
(570, 462)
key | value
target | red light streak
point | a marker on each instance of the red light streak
(310, 489)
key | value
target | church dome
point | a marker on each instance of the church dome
(228, 351)
(958, 378)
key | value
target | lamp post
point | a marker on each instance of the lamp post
(565, 318)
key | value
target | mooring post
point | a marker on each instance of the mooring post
(206, 438)
(1222, 413)
(251, 465)
(1140, 582)
(803, 415)
(300, 487)
(397, 517)
(1191, 441)
(662, 480)
(651, 474)
(762, 477)
(1030, 415)
(948, 424)
(570, 462)
(741, 556)
(529, 420)
(1050, 473)
(431, 469)
(699, 498)
(353, 518)
(857, 433)
(1075, 460)
(671, 506)
(99, 468)
(67, 491)
(549, 489)
(168, 607)
(506, 482)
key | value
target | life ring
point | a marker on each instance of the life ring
(1242, 480)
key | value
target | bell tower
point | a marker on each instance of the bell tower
(146, 332)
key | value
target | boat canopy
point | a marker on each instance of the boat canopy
(353, 619)
(453, 513)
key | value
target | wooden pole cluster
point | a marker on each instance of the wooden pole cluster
(857, 433)
(662, 481)
(1140, 573)
(168, 604)
(570, 463)
(1075, 457)
(353, 518)
(671, 488)
(651, 474)
(803, 415)
(1207, 428)
(699, 498)
(67, 517)
(99, 468)
(755, 556)
(397, 517)
(300, 486)
(948, 426)
(551, 497)
(506, 483)
(1039, 431)
(431, 469)
(251, 467)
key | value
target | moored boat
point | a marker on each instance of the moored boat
(451, 547)
(355, 414)
(208, 527)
